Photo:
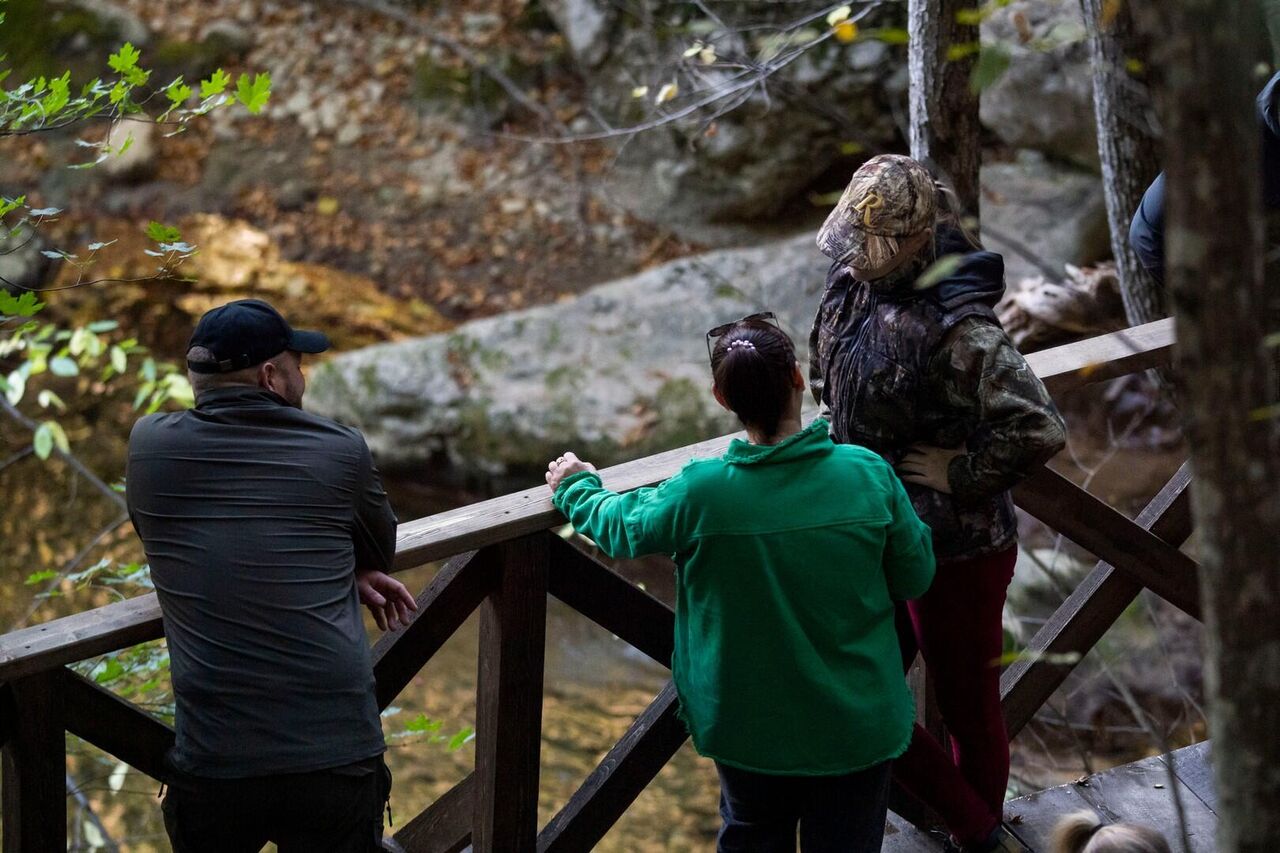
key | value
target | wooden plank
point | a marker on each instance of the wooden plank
(33, 796)
(1110, 535)
(513, 621)
(1104, 357)
(445, 825)
(489, 522)
(71, 638)
(115, 725)
(452, 596)
(613, 786)
(1089, 611)
(1143, 792)
(1039, 813)
(611, 601)
(1193, 766)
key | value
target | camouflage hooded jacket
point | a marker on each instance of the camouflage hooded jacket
(895, 366)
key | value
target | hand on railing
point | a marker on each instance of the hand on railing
(387, 599)
(563, 466)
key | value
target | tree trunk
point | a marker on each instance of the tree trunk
(1127, 145)
(1271, 8)
(944, 108)
(1215, 253)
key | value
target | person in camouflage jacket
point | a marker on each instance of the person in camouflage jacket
(909, 360)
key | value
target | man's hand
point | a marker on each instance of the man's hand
(563, 466)
(387, 599)
(928, 466)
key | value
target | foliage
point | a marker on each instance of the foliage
(424, 729)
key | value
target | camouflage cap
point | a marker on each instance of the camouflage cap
(890, 197)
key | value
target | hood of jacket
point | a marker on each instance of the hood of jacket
(979, 277)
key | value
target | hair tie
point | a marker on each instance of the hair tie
(740, 343)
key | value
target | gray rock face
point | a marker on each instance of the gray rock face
(1045, 98)
(1041, 216)
(618, 372)
(756, 159)
(21, 264)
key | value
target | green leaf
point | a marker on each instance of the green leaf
(177, 92)
(63, 366)
(162, 233)
(254, 95)
(111, 670)
(124, 59)
(891, 35)
(463, 737)
(8, 205)
(992, 62)
(99, 327)
(42, 441)
(422, 723)
(25, 305)
(956, 52)
(119, 360)
(59, 436)
(215, 85)
(17, 382)
(47, 398)
(40, 577)
(942, 268)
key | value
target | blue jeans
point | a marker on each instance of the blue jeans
(836, 814)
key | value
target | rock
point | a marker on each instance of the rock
(618, 372)
(1044, 100)
(807, 123)
(227, 38)
(115, 18)
(585, 25)
(138, 162)
(48, 37)
(349, 134)
(21, 264)
(1038, 313)
(1042, 216)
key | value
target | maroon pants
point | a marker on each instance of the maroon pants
(957, 627)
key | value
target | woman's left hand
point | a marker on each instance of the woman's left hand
(563, 466)
(928, 466)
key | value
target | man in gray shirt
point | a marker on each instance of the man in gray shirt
(265, 527)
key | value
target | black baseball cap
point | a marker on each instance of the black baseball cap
(247, 332)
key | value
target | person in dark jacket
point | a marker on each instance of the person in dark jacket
(265, 527)
(909, 360)
(1146, 231)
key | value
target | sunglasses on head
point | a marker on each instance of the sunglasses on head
(719, 331)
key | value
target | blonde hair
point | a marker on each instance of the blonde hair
(1083, 832)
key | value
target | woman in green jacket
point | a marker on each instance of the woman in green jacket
(790, 552)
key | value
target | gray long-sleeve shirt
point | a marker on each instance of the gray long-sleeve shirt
(254, 516)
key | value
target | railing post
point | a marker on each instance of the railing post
(34, 799)
(513, 621)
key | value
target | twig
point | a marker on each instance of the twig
(69, 566)
(86, 808)
(69, 458)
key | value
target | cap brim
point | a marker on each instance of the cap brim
(841, 240)
(309, 342)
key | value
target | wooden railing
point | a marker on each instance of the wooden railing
(501, 558)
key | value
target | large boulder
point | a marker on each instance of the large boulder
(1044, 100)
(618, 372)
(1042, 216)
(767, 142)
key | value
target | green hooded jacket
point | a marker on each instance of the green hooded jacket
(789, 559)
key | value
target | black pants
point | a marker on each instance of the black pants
(326, 811)
(836, 814)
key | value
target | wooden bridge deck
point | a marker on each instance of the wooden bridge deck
(1141, 792)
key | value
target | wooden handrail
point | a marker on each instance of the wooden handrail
(116, 626)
